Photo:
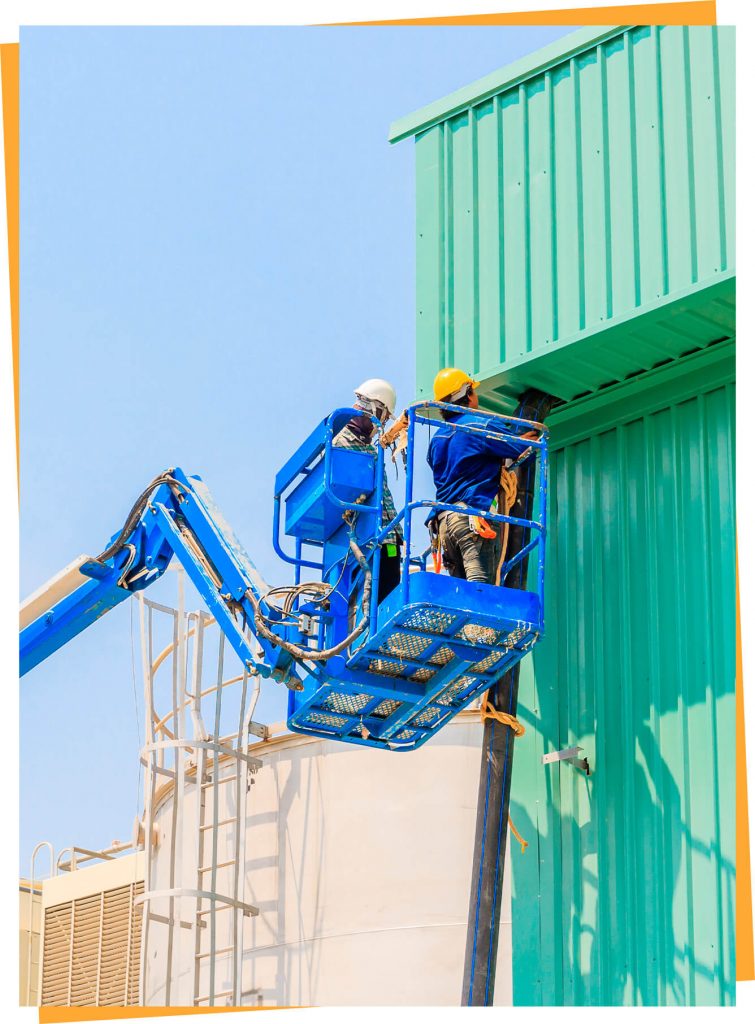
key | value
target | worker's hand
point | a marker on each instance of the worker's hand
(389, 436)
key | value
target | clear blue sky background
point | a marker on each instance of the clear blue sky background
(217, 245)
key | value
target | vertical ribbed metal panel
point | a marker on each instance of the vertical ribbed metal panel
(580, 195)
(92, 949)
(626, 895)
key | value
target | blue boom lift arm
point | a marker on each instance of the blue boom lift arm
(175, 515)
(385, 674)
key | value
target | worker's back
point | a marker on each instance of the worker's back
(467, 467)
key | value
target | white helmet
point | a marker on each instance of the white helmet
(377, 390)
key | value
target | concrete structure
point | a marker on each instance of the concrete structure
(575, 233)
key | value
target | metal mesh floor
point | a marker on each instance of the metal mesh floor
(435, 659)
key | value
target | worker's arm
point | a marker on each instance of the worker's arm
(501, 447)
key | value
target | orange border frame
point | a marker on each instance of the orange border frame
(697, 12)
(9, 75)
(692, 12)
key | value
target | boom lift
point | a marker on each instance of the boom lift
(385, 674)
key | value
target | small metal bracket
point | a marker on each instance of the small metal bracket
(307, 625)
(570, 754)
(262, 731)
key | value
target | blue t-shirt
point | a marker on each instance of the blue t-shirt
(467, 467)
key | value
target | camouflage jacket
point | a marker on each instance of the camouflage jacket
(353, 440)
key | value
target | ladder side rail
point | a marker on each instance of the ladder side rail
(174, 815)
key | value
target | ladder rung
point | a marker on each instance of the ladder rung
(222, 864)
(162, 919)
(228, 778)
(226, 821)
(218, 995)
(223, 906)
(218, 952)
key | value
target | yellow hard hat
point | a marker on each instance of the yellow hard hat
(449, 382)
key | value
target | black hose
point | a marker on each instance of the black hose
(306, 653)
(135, 514)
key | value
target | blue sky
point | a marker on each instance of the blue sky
(217, 245)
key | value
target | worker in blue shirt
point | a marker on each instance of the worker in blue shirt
(466, 470)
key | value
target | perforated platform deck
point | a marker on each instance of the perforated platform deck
(429, 658)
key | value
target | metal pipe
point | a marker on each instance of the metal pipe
(53, 872)
(409, 490)
(478, 986)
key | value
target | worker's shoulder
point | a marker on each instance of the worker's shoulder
(348, 438)
(489, 423)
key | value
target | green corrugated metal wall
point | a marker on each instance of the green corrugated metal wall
(626, 893)
(589, 191)
(575, 232)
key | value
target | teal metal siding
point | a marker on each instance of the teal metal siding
(575, 232)
(591, 191)
(626, 893)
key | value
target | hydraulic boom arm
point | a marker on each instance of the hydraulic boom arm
(175, 515)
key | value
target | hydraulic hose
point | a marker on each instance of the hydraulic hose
(136, 513)
(306, 653)
(297, 652)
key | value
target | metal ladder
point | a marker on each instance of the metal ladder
(208, 763)
(210, 777)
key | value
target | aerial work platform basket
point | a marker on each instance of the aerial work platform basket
(384, 666)
(436, 641)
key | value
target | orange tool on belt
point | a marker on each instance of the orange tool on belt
(482, 528)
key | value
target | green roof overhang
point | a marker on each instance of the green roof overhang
(499, 81)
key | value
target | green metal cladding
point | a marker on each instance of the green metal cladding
(626, 893)
(589, 187)
(575, 232)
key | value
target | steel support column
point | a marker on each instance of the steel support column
(495, 770)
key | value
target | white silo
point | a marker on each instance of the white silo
(355, 863)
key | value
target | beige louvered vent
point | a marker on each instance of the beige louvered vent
(91, 950)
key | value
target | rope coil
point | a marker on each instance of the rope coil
(488, 711)
(506, 497)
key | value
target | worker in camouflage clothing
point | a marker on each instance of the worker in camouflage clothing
(376, 397)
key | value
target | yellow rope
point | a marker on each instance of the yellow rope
(518, 838)
(506, 498)
(488, 711)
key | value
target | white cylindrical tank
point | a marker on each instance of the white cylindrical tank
(359, 862)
